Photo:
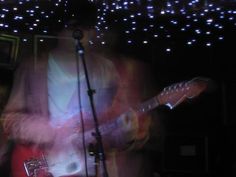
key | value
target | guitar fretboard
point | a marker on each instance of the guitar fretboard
(140, 109)
(147, 106)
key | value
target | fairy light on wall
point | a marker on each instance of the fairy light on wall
(198, 22)
(142, 22)
(27, 16)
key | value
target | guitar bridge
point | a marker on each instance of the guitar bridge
(33, 165)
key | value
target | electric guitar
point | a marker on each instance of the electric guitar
(68, 160)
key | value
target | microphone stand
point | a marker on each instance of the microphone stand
(78, 35)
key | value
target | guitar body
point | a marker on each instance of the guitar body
(56, 161)
(19, 155)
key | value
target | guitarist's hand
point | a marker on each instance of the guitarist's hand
(39, 132)
(127, 129)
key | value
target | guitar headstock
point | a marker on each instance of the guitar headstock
(177, 93)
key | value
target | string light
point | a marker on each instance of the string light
(150, 20)
(197, 19)
(20, 15)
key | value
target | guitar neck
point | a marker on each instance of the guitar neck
(147, 106)
(170, 96)
(139, 110)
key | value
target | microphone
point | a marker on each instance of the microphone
(77, 34)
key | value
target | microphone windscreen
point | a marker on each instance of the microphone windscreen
(77, 34)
